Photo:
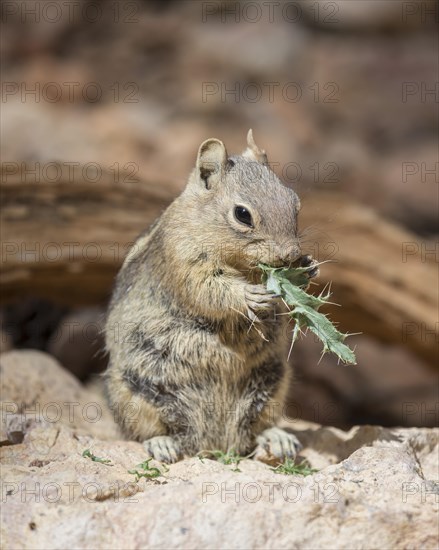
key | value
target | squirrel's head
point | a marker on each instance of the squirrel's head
(242, 206)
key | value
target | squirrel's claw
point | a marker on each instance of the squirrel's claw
(309, 261)
(252, 316)
(163, 448)
(275, 444)
(257, 297)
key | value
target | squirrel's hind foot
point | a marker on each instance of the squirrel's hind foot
(275, 443)
(163, 448)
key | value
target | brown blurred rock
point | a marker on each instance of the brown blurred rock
(30, 321)
(6, 342)
(351, 91)
(367, 16)
(78, 342)
(388, 385)
(411, 181)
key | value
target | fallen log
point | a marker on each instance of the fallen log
(65, 241)
(385, 278)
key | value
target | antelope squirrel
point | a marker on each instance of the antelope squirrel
(198, 350)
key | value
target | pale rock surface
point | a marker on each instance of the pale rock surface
(375, 488)
(35, 387)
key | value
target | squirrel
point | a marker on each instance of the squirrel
(197, 344)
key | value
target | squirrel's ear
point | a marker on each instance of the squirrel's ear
(211, 162)
(253, 152)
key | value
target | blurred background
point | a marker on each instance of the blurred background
(104, 105)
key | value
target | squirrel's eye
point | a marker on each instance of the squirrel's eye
(243, 215)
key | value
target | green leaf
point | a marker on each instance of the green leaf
(145, 470)
(230, 458)
(291, 284)
(290, 468)
(88, 454)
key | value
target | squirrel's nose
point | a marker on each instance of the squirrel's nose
(289, 253)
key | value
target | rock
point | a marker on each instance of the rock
(410, 180)
(372, 391)
(345, 16)
(78, 343)
(374, 488)
(5, 341)
(35, 388)
(29, 323)
(382, 495)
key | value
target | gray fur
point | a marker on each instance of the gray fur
(196, 343)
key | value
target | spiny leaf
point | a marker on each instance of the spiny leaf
(290, 284)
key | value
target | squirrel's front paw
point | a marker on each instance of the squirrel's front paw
(163, 448)
(258, 298)
(276, 445)
(309, 261)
